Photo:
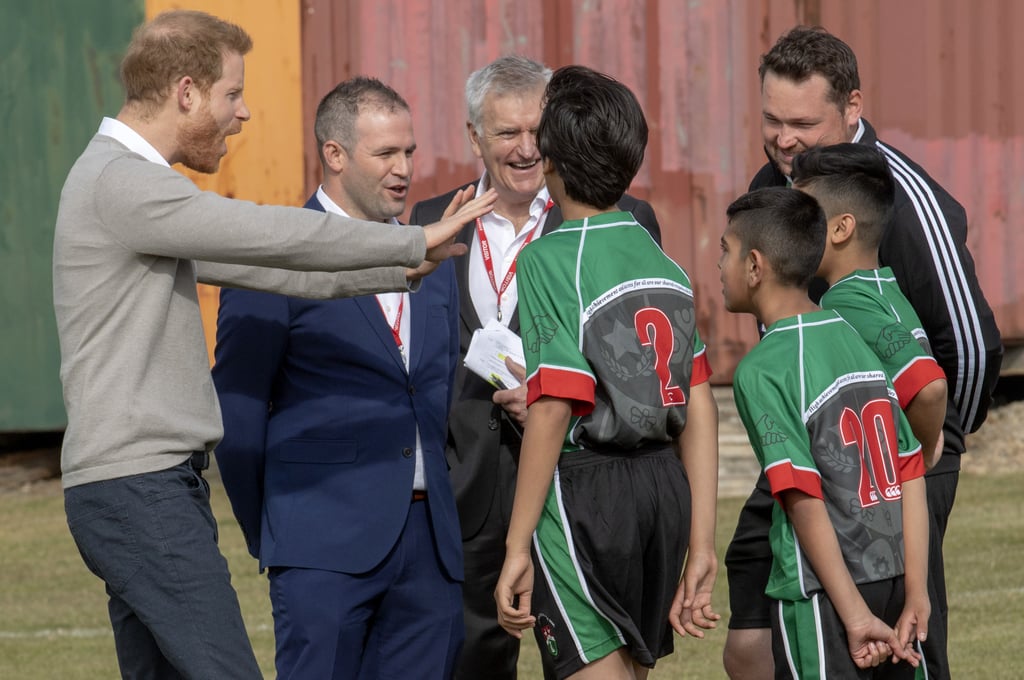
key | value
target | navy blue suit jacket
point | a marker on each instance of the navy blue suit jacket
(320, 421)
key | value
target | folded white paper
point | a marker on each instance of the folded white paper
(487, 351)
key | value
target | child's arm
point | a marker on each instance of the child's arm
(542, 442)
(913, 622)
(869, 639)
(698, 449)
(926, 413)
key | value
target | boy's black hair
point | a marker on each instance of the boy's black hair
(850, 178)
(787, 226)
(594, 132)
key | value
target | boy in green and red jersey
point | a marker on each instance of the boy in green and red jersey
(854, 186)
(849, 533)
(617, 479)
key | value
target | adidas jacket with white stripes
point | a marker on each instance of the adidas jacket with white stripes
(926, 246)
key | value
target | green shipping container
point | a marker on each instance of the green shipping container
(58, 77)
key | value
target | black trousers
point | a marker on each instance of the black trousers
(489, 653)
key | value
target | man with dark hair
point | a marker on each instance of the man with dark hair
(619, 463)
(810, 96)
(334, 432)
(503, 102)
(131, 239)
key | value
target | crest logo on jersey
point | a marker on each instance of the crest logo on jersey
(642, 418)
(838, 459)
(892, 339)
(540, 333)
(547, 631)
(765, 427)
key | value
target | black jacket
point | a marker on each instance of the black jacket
(926, 246)
(478, 431)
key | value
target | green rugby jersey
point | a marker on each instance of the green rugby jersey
(608, 323)
(823, 418)
(871, 300)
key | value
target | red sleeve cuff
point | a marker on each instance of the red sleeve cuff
(701, 369)
(783, 476)
(914, 377)
(576, 387)
(911, 465)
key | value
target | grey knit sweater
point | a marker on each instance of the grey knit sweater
(134, 367)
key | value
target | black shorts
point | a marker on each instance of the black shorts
(608, 554)
(748, 561)
(809, 640)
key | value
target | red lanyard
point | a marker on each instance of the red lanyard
(485, 252)
(396, 327)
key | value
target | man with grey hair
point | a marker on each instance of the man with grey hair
(504, 101)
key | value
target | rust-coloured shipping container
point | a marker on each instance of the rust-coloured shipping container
(939, 81)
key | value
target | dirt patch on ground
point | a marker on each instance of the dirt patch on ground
(999, 445)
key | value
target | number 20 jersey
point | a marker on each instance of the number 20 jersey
(608, 323)
(823, 418)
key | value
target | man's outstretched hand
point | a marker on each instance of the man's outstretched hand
(440, 235)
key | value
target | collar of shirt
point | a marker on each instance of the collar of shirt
(389, 302)
(389, 305)
(504, 245)
(112, 127)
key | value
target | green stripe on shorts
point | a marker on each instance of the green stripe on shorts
(593, 634)
(801, 629)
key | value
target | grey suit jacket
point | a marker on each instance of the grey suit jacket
(479, 432)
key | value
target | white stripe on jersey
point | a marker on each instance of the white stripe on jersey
(956, 292)
(585, 227)
(579, 292)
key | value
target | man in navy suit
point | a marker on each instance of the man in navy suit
(335, 426)
(504, 106)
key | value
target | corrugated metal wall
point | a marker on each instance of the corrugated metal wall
(939, 82)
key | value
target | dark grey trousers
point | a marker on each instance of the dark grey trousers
(152, 539)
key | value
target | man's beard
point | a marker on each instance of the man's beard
(199, 143)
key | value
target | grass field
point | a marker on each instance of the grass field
(53, 621)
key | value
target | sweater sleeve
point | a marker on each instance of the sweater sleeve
(153, 210)
(310, 285)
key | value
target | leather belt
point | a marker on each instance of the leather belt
(418, 495)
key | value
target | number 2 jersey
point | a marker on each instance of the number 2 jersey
(823, 419)
(608, 323)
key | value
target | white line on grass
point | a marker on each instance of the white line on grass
(48, 633)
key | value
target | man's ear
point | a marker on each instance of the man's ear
(335, 157)
(186, 93)
(474, 139)
(853, 109)
(547, 166)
